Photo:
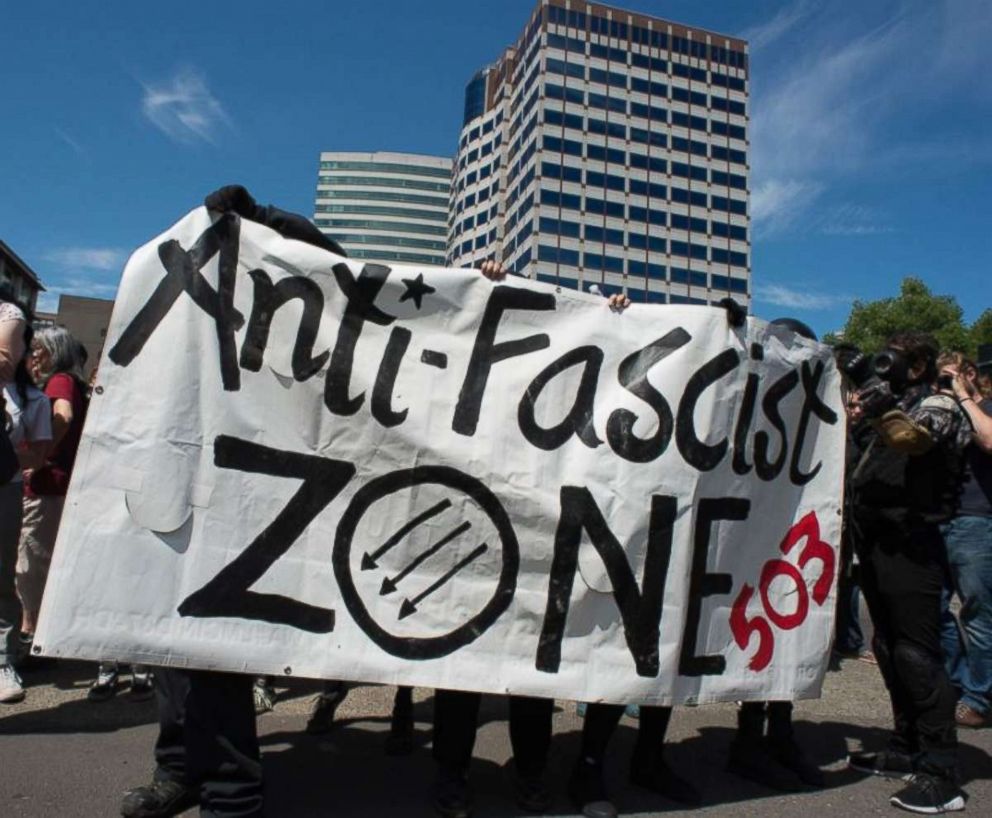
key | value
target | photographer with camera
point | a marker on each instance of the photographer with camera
(909, 444)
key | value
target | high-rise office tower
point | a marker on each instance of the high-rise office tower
(609, 147)
(385, 206)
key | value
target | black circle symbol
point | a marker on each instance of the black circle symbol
(412, 647)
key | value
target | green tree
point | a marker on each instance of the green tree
(981, 330)
(914, 309)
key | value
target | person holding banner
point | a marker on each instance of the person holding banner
(910, 457)
(207, 749)
(648, 767)
(764, 750)
(456, 721)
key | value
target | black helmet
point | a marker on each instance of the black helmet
(797, 327)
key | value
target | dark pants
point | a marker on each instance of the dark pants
(456, 721)
(902, 580)
(751, 719)
(207, 739)
(848, 636)
(11, 512)
(601, 723)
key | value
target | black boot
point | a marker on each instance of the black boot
(783, 747)
(658, 777)
(588, 791)
(452, 795)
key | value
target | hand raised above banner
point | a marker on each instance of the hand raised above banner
(736, 314)
(618, 302)
(493, 269)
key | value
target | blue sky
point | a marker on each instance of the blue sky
(871, 126)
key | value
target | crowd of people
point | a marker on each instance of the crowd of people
(918, 531)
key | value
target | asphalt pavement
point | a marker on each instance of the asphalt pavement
(61, 755)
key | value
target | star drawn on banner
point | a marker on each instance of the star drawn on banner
(416, 289)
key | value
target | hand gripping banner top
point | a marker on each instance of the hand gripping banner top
(299, 464)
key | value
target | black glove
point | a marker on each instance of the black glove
(237, 199)
(876, 400)
(736, 314)
(232, 199)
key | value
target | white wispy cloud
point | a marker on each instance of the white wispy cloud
(184, 109)
(853, 220)
(48, 301)
(798, 299)
(89, 258)
(965, 32)
(811, 123)
(777, 203)
(833, 100)
(72, 143)
(785, 19)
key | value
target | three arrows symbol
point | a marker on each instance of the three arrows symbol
(369, 560)
(409, 606)
(389, 583)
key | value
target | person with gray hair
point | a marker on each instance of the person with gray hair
(56, 366)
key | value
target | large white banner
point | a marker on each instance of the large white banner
(296, 464)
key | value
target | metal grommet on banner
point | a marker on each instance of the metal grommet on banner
(288, 670)
(98, 390)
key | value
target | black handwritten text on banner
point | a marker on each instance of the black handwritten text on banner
(306, 465)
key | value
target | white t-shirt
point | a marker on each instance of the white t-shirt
(27, 423)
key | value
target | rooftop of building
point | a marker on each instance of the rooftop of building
(639, 18)
(16, 261)
(387, 156)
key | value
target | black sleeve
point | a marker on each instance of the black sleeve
(237, 199)
(294, 226)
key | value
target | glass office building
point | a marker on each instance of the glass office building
(609, 147)
(388, 207)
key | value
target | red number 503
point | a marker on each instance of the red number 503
(743, 629)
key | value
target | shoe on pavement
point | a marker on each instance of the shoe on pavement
(160, 799)
(588, 791)
(11, 688)
(886, 763)
(532, 793)
(751, 759)
(105, 686)
(453, 796)
(322, 716)
(662, 779)
(967, 716)
(142, 686)
(788, 753)
(929, 795)
(264, 695)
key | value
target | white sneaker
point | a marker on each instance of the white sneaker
(10, 685)
(106, 683)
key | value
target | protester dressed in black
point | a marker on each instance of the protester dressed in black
(907, 465)
(207, 749)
